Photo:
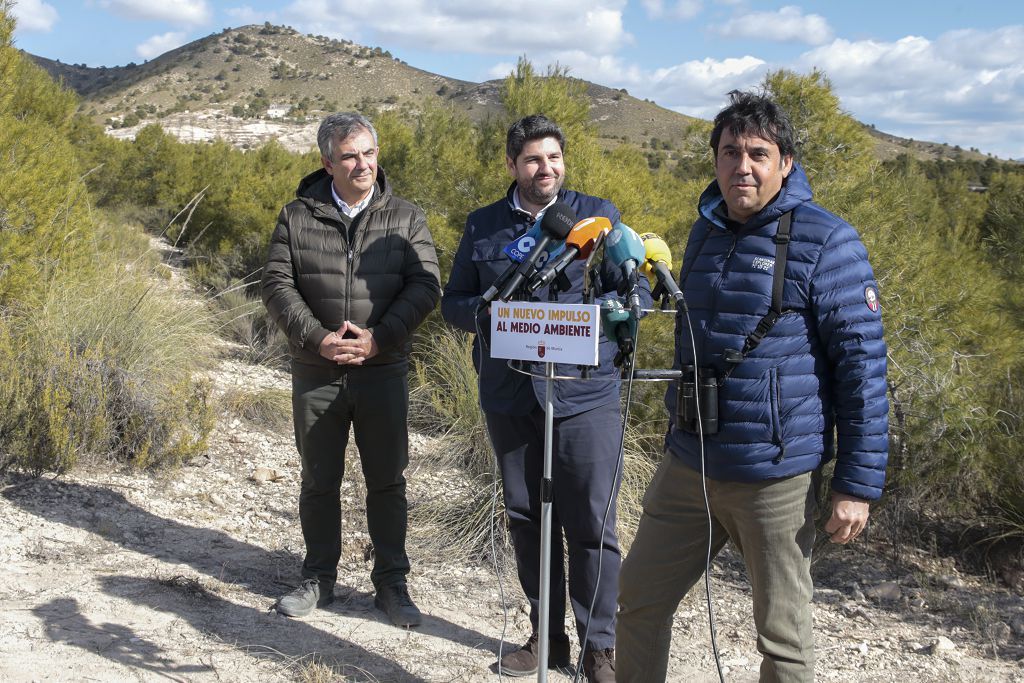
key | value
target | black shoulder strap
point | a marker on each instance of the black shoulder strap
(766, 323)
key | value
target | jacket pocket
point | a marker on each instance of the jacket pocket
(775, 401)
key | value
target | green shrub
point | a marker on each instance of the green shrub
(105, 366)
(269, 408)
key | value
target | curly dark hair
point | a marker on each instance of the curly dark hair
(751, 113)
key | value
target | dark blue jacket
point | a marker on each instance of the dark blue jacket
(479, 261)
(821, 369)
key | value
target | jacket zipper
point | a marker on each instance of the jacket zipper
(775, 386)
(715, 290)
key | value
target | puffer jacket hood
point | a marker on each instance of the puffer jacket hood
(817, 380)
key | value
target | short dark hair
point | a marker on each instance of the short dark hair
(751, 113)
(528, 128)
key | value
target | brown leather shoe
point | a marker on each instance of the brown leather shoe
(523, 662)
(599, 666)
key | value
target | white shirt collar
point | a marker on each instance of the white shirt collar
(351, 211)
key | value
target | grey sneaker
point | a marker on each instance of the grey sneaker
(301, 601)
(393, 599)
(523, 662)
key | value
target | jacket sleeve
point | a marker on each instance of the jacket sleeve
(851, 333)
(280, 295)
(421, 289)
(462, 292)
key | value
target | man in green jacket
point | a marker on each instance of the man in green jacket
(350, 273)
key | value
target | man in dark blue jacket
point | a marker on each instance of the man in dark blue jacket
(585, 470)
(819, 371)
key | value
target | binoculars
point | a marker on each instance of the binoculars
(697, 395)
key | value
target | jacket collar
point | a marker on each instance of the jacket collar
(510, 199)
(315, 192)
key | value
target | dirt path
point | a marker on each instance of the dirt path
(117, 576)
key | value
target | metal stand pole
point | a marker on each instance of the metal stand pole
(545, 529)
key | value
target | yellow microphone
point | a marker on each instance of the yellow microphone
(657, 265)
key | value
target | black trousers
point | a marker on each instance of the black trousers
(584, 457)
(375, 402)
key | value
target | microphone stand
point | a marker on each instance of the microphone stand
(545, 526)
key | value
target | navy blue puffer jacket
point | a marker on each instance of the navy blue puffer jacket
(821, 369)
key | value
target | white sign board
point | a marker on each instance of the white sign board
(553, 333)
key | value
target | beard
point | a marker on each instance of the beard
(535, 194)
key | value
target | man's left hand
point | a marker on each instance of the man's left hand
(357, 346)
(849, 517)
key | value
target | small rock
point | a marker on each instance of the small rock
(261, 475)
(887, 591)
(1017, 624)
(949, 581)
(216, 500)
(940, 645)
(999, 632)
(862, 648)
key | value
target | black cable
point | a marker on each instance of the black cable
(704, 487)
(619, 466)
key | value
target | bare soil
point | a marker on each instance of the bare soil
(116, 575)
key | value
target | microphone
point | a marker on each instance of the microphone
(556, 223)
(578, 245)
(625, 249)
(517, 250)
(658, 265)
(619, 326)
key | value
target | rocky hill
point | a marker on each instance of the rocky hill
(252, 83)
(258, 82)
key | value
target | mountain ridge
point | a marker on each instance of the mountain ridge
(257, 82)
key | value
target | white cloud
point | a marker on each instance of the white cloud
(471, 26)
(696, 88)
(1002, 47)
(788, 24)
(34, 15)
(965, 87)
(680, 9)
(248, 15)
(157, 45)
(182, 12)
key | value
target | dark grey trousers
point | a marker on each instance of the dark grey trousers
(375, 402)
(585, 454)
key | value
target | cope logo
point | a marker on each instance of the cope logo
(519, 250)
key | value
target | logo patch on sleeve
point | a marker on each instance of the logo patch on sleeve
(871, 298)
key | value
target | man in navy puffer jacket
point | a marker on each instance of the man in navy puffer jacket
(812, 389)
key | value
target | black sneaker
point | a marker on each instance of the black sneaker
(301, 601)
(523, 662)
(393, 599)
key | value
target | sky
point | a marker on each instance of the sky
(938, 70)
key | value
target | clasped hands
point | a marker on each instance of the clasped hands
(353, 349)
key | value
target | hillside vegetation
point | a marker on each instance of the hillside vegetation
(949, 261)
